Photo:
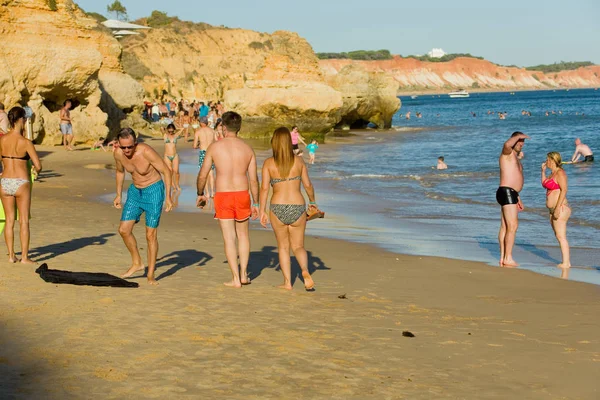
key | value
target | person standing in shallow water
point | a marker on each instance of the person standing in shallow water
(145, 195)
(582, 150)
(16, 185)
(507, 195)
(556, 186)
(286, 172)
(236, 169)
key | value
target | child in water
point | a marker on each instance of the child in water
(441, 164)
(312, 148)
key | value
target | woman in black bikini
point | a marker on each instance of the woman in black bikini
(286, 172)
(16, 151)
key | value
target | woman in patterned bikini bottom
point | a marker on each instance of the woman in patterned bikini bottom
(286, 173)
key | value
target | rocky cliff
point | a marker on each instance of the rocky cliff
(51, 51)
(271, 79)
(415, 75)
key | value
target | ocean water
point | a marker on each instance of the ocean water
(380, 187)
(398, 201)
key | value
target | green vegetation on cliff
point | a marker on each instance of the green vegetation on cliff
(561, 66)
(96, 16)
(118, 8)
(160, 19)
(445, 58)
(358, 55)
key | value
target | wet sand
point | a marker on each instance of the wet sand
(480, 332)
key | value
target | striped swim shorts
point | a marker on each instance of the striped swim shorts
(149, 200)
(201, 157)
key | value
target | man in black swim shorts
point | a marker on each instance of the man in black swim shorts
(582, 150)
(507, 195)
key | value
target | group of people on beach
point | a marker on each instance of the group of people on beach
(236, 196)
(556, 185)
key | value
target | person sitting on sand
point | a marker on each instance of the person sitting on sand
(582, 150)
(312, 148)
(15, 182)
(235, 164)
(285, 173)
(101, 142)
(507, 195)
(556, 201)
(145, 195)
(441, 164)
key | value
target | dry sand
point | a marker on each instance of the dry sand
(480, 332)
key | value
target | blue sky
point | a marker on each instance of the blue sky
(525, 32)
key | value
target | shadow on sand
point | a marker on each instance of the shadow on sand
(494, 249)
(181, 259)
(269, 258)
(52, 250)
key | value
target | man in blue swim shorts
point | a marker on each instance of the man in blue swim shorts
(146, 195)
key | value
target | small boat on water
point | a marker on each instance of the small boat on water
(414, 96)
(460, 93)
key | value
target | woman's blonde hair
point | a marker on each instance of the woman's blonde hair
(283, 153)
(555, 156)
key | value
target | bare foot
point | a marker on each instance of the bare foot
(510, 263)
(286, 286)
(233, 283)
(564, 265)
(153, 281)
(13, 259)
(27, 261)
(246, 280)
(132, 270)
(308, 281)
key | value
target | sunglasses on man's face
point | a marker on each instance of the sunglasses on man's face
(127, 147)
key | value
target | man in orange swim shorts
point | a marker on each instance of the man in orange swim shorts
(235, 164)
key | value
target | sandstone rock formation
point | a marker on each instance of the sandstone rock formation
(368, 96)
(53, 53)
(468, 73)
(272, 80)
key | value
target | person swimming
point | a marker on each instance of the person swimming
(441, 164)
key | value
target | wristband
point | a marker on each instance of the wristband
(257, 205)
(312, 203)
(200, 194)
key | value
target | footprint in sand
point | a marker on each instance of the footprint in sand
(110, 374)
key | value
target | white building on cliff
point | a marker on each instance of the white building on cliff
(121, 28)
(436, 53)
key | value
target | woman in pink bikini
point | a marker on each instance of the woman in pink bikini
(556, 200)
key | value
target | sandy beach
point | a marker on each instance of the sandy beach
(480, 332)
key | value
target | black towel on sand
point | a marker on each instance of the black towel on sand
(82, 278)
